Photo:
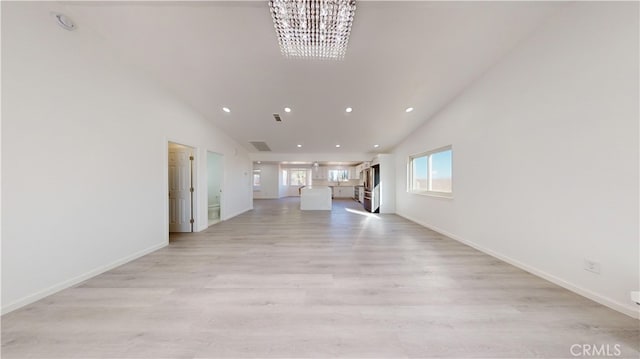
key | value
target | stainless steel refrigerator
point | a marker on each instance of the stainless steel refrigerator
(372, 189)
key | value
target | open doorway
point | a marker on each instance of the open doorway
(215, 169)
(181, 188)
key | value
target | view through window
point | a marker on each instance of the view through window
(431, 172)
(298, 177)
(338, 175)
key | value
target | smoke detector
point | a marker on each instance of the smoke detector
(64, 21)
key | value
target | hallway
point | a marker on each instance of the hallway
(278, 282)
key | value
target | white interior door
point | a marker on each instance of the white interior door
(180, 206)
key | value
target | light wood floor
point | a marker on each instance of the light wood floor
(277, 282)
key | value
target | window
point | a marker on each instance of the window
(256, 178)
(284, 177)
(338, 175)
(430, 172)
(298, 177)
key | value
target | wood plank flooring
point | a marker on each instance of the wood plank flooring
(280, 283)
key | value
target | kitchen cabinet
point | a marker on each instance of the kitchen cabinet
(359, 168)
(342, 191)
(319, 173)
(354, 173)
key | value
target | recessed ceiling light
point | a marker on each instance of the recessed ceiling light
(226, 109)
(287, 109)
(299, 146)
(337, 146)
(376, 146)
(349, 109)
(259, 162)
(409, 109)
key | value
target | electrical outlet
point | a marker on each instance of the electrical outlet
(592, 266)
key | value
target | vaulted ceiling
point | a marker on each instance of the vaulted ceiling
(400, 54)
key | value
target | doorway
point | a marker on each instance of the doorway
(181, 188)
(215, 166)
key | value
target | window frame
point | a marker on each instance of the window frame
(339, 171)
(410, 174)
(306, 176)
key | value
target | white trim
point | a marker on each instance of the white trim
(608, 302)
(209, 224)
(78, 279)
(195, 174)
(237, 213)
(428, 154)
(445, 195)
(165, 188)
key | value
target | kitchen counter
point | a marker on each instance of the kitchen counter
(345, 191)
(314, 198)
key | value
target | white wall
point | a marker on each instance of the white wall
(269, 182)
(84, 157)
(545, 155)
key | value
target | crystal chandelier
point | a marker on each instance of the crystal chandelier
(313, 29)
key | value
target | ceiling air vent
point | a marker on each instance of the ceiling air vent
(277, 117)
(260, 146)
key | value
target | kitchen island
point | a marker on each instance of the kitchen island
(315, 198)
(342, 191)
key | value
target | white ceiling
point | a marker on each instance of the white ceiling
(401, 54)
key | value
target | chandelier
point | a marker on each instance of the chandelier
(313, 29)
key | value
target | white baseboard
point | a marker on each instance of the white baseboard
(81, 278)
(226, 217)
(608, 302)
